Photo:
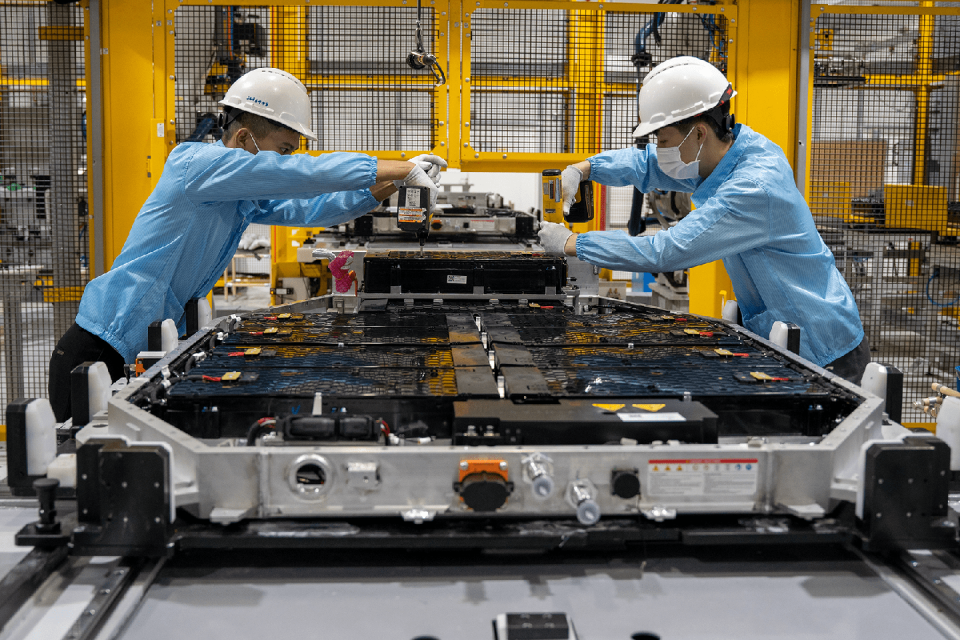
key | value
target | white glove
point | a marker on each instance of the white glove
(554, 237)
(419, 178)
(431, 164)
(570, 181)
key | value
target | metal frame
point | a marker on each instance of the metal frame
(920, 83)
(226, 484)
(95, 140)
(587, 19)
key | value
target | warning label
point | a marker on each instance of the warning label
(413, 198)
(702, 477)
(669, 416)
(411, 215)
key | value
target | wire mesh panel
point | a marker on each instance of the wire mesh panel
(885, 181)
(634, 43)
(549, 81)
(43, 196)
(352, 60)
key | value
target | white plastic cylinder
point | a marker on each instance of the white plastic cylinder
(875, 379)
(168, 335)
(948, 428)
(98, 387)
(731, 311)
(779, 334)
(41, 436)
(204, 312)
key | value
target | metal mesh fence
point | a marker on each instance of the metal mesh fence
(563, 81)
(43, 193)
(885, 183)
(351, 59)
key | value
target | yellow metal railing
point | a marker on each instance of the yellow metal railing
(921, 82)
(585, 73)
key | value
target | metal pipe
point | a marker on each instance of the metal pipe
(803, 95)
(13, 339)
(62, 198)
(95, 115)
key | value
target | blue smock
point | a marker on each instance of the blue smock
(190, 226)
(749, 214)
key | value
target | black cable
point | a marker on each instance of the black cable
(419, 29)
(258, 428)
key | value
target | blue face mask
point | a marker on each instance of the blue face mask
(671, 164)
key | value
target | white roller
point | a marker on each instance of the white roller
(168, 335)
(98, 388)
(779, 334)
(204, 312)
(730, 311)
(64, 469)
(41, 436)
(948, 428)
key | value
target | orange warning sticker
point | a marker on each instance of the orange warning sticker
(610, 407)
(650, 407)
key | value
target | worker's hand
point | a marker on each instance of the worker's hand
(419, 178)
(554, 237)
(431, 164)
(570, 182)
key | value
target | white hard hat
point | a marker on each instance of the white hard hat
(275, 95)
(677, 89)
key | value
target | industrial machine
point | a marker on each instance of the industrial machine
(461, 219)
(496, 397)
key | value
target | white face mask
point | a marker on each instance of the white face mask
(258, 146)
(671, 164)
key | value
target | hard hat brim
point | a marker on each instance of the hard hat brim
(305, 132)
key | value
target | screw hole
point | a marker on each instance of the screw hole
(644, 635)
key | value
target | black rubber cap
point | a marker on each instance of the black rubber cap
(484, 491)
(625, 484)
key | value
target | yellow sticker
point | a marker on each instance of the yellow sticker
(252, 352)
(759, 375)
(723, 352)
(230, 375)
(650, 407)
(283, 316)
(610, 407)
(693, 332)
(270, 330)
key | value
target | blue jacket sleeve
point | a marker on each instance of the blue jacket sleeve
(735, 220)
(637, 167)
(219, 174)
(323, 211)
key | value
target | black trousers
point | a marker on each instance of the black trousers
(76, 347)
(851, 366)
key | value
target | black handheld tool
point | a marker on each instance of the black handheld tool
(582, 208)
(414, 212)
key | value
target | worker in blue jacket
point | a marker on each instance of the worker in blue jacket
(190, 226)
(748, 213)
